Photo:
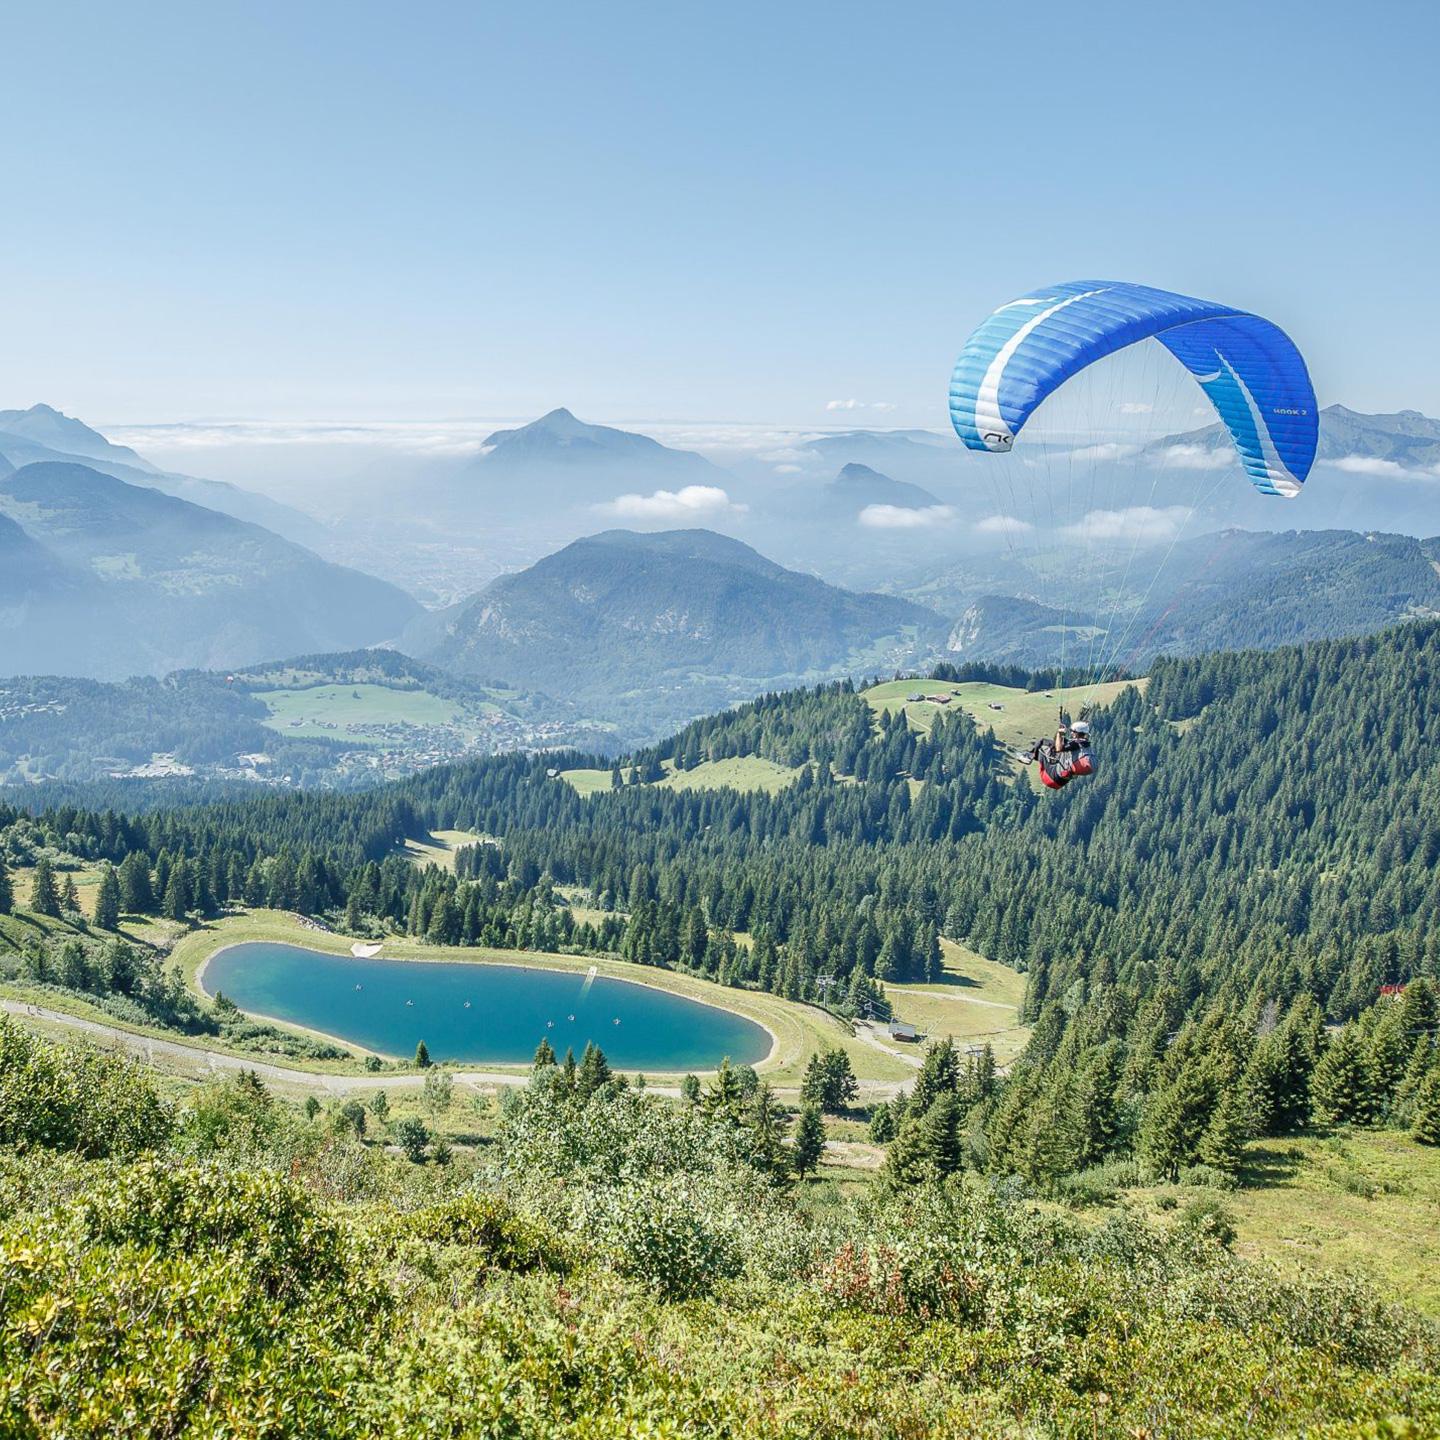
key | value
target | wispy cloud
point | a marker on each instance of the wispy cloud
(1386, 469)
(1198, 457)
(1106, 450)
(694, 502)
(1136, 522)
(1135, 407)
(898, 517)
(1003, 525)
(880, 406)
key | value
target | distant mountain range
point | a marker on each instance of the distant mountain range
(1233, 591)
(103, 578)
(643, 629)
(858, 486)
(558, 459)
(1406, 440)
(42, 433)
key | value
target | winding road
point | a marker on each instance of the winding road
(149, 1047)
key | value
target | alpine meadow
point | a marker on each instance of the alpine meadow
(586, 850)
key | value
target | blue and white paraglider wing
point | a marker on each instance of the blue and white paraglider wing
(1250, 369)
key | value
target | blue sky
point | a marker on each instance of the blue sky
(682, 212)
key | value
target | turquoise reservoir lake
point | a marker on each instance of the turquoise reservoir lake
(481, 1013)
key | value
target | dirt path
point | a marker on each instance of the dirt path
(953, 995)
(200, 1059)
(870, 1035)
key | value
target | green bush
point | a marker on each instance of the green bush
(268, 1224)
(56, 1098)
(487, 1223)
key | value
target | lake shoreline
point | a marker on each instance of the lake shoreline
(519, 964)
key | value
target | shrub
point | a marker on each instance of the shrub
(267, 1223)
(56, 1098)
(1206, 1218)
(675, 1233)
(487, 1223)
(1207, 1177)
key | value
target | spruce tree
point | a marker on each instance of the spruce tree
(594, 1071)
(1342, 1089)
(1223, 1144)
(544, 1055)
(723, 1096)
(7, 891)
(44, 896)
(1426, 1126)
(176, 904)
(882, 1124)
(906, 1161)
(766, 1130)
(422, 1056)
(940, 1135)
(1176, 1118)
(69, 897)
(808, 1144)
(939, 1075)
(107, 901)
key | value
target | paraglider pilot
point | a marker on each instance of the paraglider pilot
(1067, 756)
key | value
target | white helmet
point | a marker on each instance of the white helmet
(1081, 727)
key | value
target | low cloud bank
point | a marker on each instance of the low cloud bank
(693, 502)
(899, 517)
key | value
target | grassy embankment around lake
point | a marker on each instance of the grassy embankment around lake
(799, 1030)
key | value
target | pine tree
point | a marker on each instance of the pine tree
(594, 1071)
(1342, 1088)
(1223, 1144)
(808, 1144)
(44, 897)
(69, 897)
(723, 1097)
(766, 1130)
(544, 1055)
(940, 1136)
(107, 901)
(422, 1056)
(1176, 1118)
(7, 891)
(1426, 1126)
(176, 904)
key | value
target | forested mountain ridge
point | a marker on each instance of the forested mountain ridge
(154, 583)
(1229, 591)
(44, 434)
(649, 629)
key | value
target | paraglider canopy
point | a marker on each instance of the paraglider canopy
(1249, 368)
